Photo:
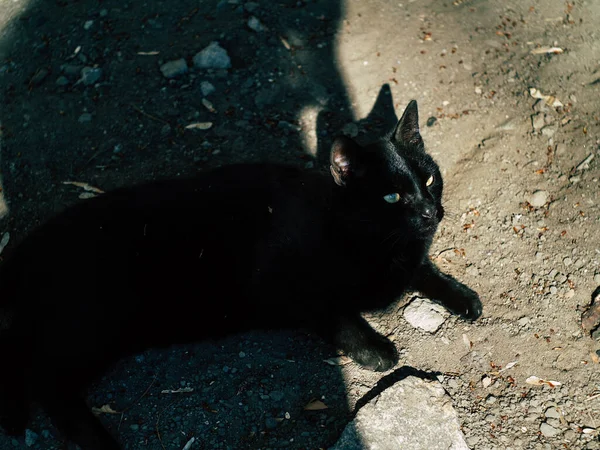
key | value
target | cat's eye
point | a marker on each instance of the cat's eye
(429, 181)
(392, 198)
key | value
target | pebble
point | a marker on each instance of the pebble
(212, 57)
(30, 437)
(88, 24)
(548, 430)
(567, 261)
(537, 121)
(172, 69)
(276, 396)
(597, 278)
(251, 6)
(103, 12)
(89, 75)
(85, 118)
(271, 423)
(424, 314)
(62, 81)
(255, 25)
(134, 427)
(472, 270)
(39, 76)
(207, 88)
(552, 413)
(538, 198)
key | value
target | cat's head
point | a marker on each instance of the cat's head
(393, 181)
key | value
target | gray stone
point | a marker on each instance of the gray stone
(423, 313)
(271, 423)
(212, 57)
(255, 25)
(30, 438)
(62, 81)
(172, 69)
(411, 414)
(276, 396)
(251, 6)
(89, 75)
(538, 198)
(548, 430)
(85, 118)
(537, 121)
(207, 88)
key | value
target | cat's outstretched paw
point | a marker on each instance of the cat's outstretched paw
(467, 304)
(379, 357)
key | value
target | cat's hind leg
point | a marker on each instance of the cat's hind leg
(355, 337)
(452, 294)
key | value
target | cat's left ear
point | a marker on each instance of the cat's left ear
(344, 160)
(407, 128)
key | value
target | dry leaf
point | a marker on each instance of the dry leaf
(199, 126)
(536, 381)
(315, 405)
(338, 361)
(549, 99)
(545, 50)
(177, 391)
(208, 105)
(189, 444)
(104, 409)
(510, 365)
(467, 342)
(85, 186)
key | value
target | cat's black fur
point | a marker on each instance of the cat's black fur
(241, 247)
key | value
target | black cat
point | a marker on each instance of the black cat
(241, 247)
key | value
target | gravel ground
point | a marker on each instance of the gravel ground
(110, 93)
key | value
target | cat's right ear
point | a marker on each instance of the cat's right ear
(344, 160)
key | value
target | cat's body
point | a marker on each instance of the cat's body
(242, 247)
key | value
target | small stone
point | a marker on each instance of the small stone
(538, 198)
(172, 69)
(567, 261)
(134, 427)
(523, 321)
(472, 270)
(537, 121)
(207, 88)
(62, 81)
(88, 24)
(276, 396)
(350, 130)
(255, 25)
(552, 413)
(30, 437)
(251, 6)
(271, 423)
(39, 76)
(424, 314)
(561, 149)
(478, 90)
(212, 57)
(103, 12)
(89, 75)
(597, 278)
(490, 399)
(85, 118)
(548, 430)
(431, 121)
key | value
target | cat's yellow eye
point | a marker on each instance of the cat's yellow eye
(392, 198)
(429, 181)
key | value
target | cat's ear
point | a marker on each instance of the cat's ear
(407, 128)
(344, 160)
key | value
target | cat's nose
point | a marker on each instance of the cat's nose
(428, 213)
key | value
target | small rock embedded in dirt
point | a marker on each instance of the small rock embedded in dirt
(212, 57)
(411, 414)
(251, 6)
(62, 81)
(423, 313)
(548, 430)
(89, 75)
(255, 25)
(552, 413)
(431, 121)
(30, 438)
(88, 24)
(538, 198)
(537, 121)
(207, 88)
(39, 76)
(271, 423)
(172, 69)
(472, 270)
(85, 118)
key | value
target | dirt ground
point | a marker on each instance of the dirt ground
(523, 211)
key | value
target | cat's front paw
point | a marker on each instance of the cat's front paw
(379, 357)
(466, 304)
